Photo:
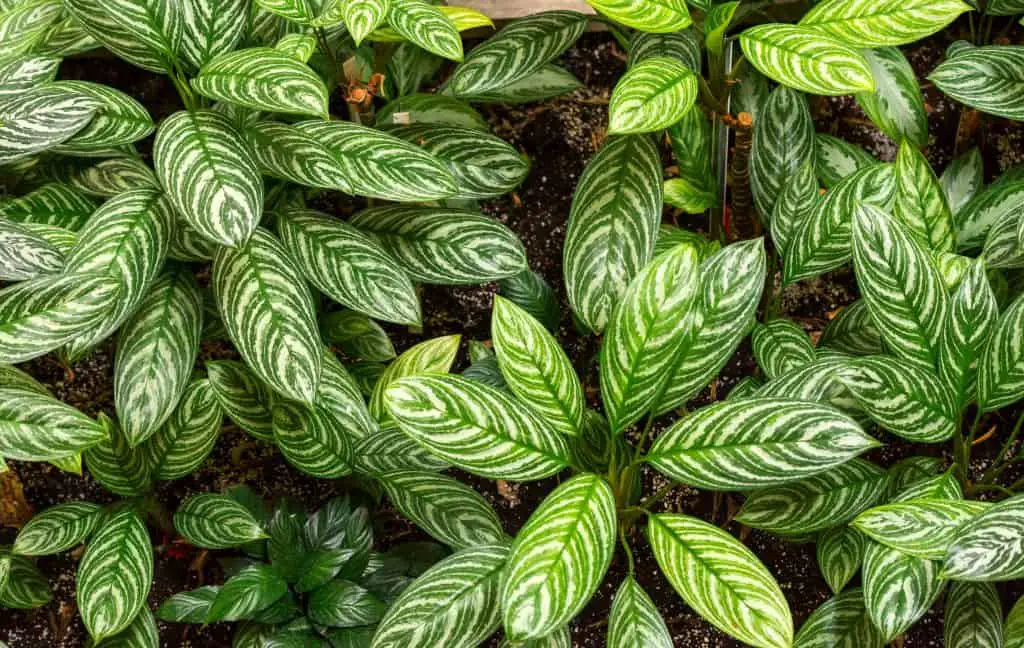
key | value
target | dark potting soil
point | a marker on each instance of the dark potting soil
(559, 136)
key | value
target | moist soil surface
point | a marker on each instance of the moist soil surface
(559, 136)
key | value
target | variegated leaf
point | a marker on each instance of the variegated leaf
(357, 335)
(117, 466)
(721, 580)
(876, 23)
(670, 236)
(823, 241)
(816, 503)
(989, 548)
(687, 196)
(963, 179)
(212, 28)
(921, 203)
(905, 399)
(142, 633)
(389, 450)
(437, 109)
(901, 285)
(41, 118)
(285, 152)
(253, 589)
(807, 60)
(111, 177)
(448, 510)
(210, 175)
(147, 33)
(817, 382)
(477, 428)
(783, 141)
(348, 266)
(431, 357)
(974, 616)
(853, 331)
(36, 427)
(987, 78)
(835, 159)
(14, 378)
(1001, 365)
(342, 603)
(683, 45)
(912, 471)
(657, 319)
(378, 165)
(1002, 243)
(422, 23)
(750, 443)
(156, 350)
(796, 200)
(999, 200)
(243, 397)
(25, 253)
(119, 119)
(363, 16)
(919, 527)
(115, 575)
(184, 442)
(262, 78)
(456, 601)
(58, 529)
(536, 368)
(840, 622)
(612, 227)
(897, 105)
(53, 204)
(440, 245)
(691, 147)
(652, 95)
(840, 552)
(781, 346)
(731, 285)
(970, 324)
(657, 16)
(23, 23)
(65, 38)
(559, 558)
(516, 52)
(898, 589)
(19, 73)
(26, 586)
(634, 619)
(216, 521)
(274, 327)
(1014, 629)
(548, 82)
(532, 293)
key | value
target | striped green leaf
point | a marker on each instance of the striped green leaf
(522, 48)
(612, 227)
(656, 319)
(823, 242)
(945, 486)
(750, 443)
(442, 506)
(532, 293)
(455, 602)
(274, 327)
(652, 95)
(721, 580)
(118, 120)
(1002, 243)
(853, 331)
(298, 46)
(66, 38)
(536, 368)
(389, 450)
(58, 529)
(216, 521)
(634, 619)
(430, 357)
(117, 466)
(23, 23)
(142, 633)
(184, 442)
(920, 527)
(657, 16)
(559, 558)
(410, 67)
(840, 552)
(905, 399)
(805, 59)
(348, 266)
(988, 207)
(987, 78)
(683, 45)
(548, 82)
(253, 589)
(155, 353)
(14, 378)
(687, 196)
(1014, 629)
(425, 25)
(440, 245)
(796, 200)
(242, 396)
(691, 147)
(921, 203)
(781, 346)
(730, 290)
(147, 33)
(1001, 365)
(988, 548)
(341, 603)
(670, 236)
(898, 589)
(816, 503)
(897, 105)
(817, 382)
(357, 335)
(108, 178)
(115, 575)
(52, 204)
(363, 16)
(25, 253)
(300, 11)
(835, 159)
(783, 140)
(26, 587)
(840, 622)
(901, 285)
(483, 166)
(263, 78)
(285, 152)
(477, 428)
(963, 179)
(438, 109)
(378, 165)
(211, 29)
(876, 23)
(41, 118)
(974, 616)
(210, 175)
(36, 427)
(970, 323)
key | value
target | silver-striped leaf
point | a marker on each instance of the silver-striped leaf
(184, 442)
(364, 16)
(657, 16)
(117, 466)
(25, 253)
(653, 94)
(263, 78)
(437, 109)
(212, 28)
(147, 33)
(840, 552)
(722, 580)
(19, 73)
(683, 45)
(989, 547)
(690, 137)
(1001, 365)
(795, 202)
(987, 78)
(425, 25)
(142, 633)
(548, 82)
(898, 589)
(285, 152)
(210, 175)
(41, 118)
(840, 622)
(115, 575)
(780, 347)
(634, 619)
(251, 590)
(1002, 247)
(970, 323)
(357, 335)
(113, 176)
(613, 225)
(214, 521)
(273, 327)
(536, 368)
(119, 119)
(440, 245)
(991, 205)
(430, 357)
(534, 294)
(1014, 629)
(783, 141)
(853, 331)
(389, 450)
(244, 398)
(918, 527)
(974, 616)
(897, 105)
(751, 443)
(55, 204)
(37, 427)
(57, 529)
(818, 382)
(26, 587)
(921, 203)
(876, 23)
(14, 378)
(963, 179)
(477, 428)
(835, 159)
(559, 558)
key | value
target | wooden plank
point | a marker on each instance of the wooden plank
(505, 9)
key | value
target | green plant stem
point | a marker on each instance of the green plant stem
(626, 548)
(639, 448)
(1001, 463)
(962, 450)
(184, 90)
(991, 487)
(325, 47)
(662, 493)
